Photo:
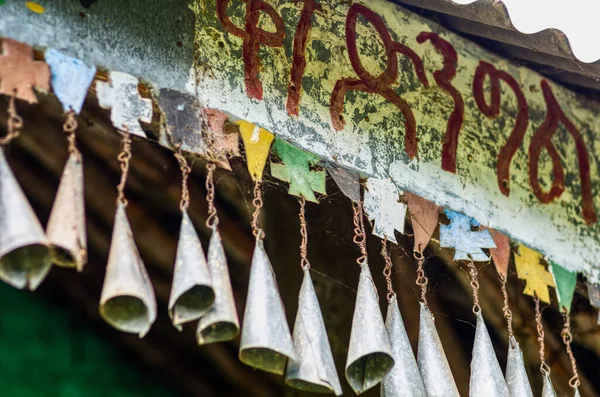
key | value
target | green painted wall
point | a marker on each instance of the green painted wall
(48, 350)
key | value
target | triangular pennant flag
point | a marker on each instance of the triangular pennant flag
(24, 255)
(192, 294)
(467, 243)
(257, 142)
(500, 254)
(432, 361)
(548, 389)
(369, 353)
(315, 369)
(347, 181)
(424, 216)
(20, 73)
(266, 339)
(71, 79)
(66, 225)
(594, 295)
(383, 207)
(122, 97)
(296, 170)
(127, 301)
(486, 375)
(530, 269)
(565, 281)
(221, 322)
(404, 378)
(516, 374)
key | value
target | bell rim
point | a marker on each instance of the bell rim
(369, 385)
(202, 340)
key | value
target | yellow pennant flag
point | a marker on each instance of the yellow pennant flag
(257, 142)
(529, 268)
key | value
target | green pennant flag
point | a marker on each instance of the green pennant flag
(296, 169)
(565, 285)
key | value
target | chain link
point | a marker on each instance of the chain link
(544, 367)
(212, 219)
(258, 204)
(422, 279)
(70, 126)
(567, 338)
(387, 270)
(304, 234)
(124, 157)
(14, 123)
(360, 237)
(506, 308)
(474, 287)
(185, 169)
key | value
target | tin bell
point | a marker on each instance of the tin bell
(577, 394)
(192, 293)
(548, 389)
(516, 375)
(369, 354)
(486, 375)
(432, 361)
(221, 322)
(24, 254)
(127, 301)
(66, 225)
(314, 371)
(404, 378)
(266, 339)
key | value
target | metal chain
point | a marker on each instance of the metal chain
(70, 126)
(360, 237)
(304, 264)
(124, 157)
(567, 338)
(474, 287)
(506, 308)
(422, 279)
(387, 270)
(258, 204)
(540, 330)
(14, 123)
(212, 219)
(185, 169)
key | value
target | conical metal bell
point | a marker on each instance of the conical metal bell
(314, 371)
(66, 225)
(432, 361)
(577, 393)
(192, 293)
(266, 339)
(548, 389)
(369, 354)
(127, 301)
(516, 375)
(24, 254)
(486, 375)
(404, 379)
(221, 322)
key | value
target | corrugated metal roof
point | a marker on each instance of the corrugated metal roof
(489, 23)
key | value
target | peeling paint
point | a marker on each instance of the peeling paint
(372, 141)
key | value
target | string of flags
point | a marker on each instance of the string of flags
(379, 352)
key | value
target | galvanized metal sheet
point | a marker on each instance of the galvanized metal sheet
(441, 117)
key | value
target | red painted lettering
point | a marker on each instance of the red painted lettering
(542, 139)
(299, 56)
(253, 37)
(443, 78)
(376, 84)
(492, 110)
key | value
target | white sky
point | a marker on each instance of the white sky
(578, 19)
